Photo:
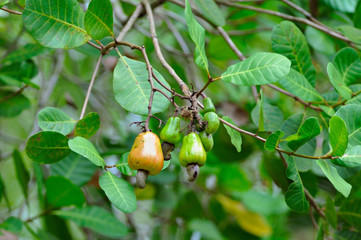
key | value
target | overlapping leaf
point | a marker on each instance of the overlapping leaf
(98, 21)
(272, 116)
(87, 126)
(349, 114)
(348, 63)
(211, 11)
(343, 6)
(24, 53)
(123, 166)
(236, 137)
(273, 140)
(86, 149)
(338, 81)
(338, 136)
(53, 119)
(261, 68)
(21, 172)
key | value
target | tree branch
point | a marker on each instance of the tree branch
(11, 11)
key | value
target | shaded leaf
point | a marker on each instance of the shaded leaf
(272, 116)
(197, 34)
(86, 149)
(19, 73)
(350, 211)
(320, 41)
(211, 11)
(298, 85)
(337, 181)
(96, 219)
(132, 89)
(273, 140)
(338, 82)
(353, 124)
(24, 53)
(338, 136)
(295, 195)
(123, 166)
(207, 228)
(55, 24)
(260, 68)
(22, 173)
(354, 34)
(87, 126)
(74, 167)
(308, 130)
(236, 137)
(348, 63)
(61, 192)
(53, 119)
(119, 192)
(12, 104)
(98, 20)
(330, 213)
(47, 147)
(357, 15)
(288, 40)
(12, 224)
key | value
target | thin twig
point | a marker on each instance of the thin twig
(90, 86)
(231, 43)
(130, 22)
(94, 45)
(11, 11)
(13, 94)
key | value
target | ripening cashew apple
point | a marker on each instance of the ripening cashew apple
(192, 155)
(207, 141)
(213, 122)
(170, 135)
(146, 157)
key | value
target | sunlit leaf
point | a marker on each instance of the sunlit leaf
(338, 136)
(87, 126)
(83, 147)
(338, 82)
(53, 119)
(273, 140)
(211, 11)
(98, 20)
(351, 158)
(348, 63)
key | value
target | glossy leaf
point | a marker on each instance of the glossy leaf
(338, 82)
(86, 149)
(12, 224)
(338, 136)
(308, 130)
(207, 228)
(343, 6)
(87, 126)
(47, 147)
(272, 117)
(273, 140)
(12, 104)
(22, 173)
(261, 68)
(295, 195)
(24, 53)
(74, 167)
(123, 166)
(288, 40)
(96, 219)
(197, 34)
(330, 213)
(98, 20)
(53, 119)
(348, 63)
(353, 124)
(119, 192)
(298, 85)
(132, 89)
(337, 181)
(55, 24)
(211, 11)
(236, 137)
(61, 192)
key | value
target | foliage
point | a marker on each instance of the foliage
(80, 79)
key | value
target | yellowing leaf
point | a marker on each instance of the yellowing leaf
(249, 221)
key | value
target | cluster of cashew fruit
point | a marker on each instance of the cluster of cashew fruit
(147, 155)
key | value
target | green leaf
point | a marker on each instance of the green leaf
(348, 63)
(85, 148)
(53, 119)
(357, 15)
(74, 167)
(354, 34)
(39, 176)
(352, 158)
(350, 211)
(18, 73)
(47, 147)
(261, 68)
(2, 188)
(98, 21)
(55, 24)
(295, 195)
(197, 34)
(288, 40)
(338, 82)
(273, 140)
(3, 2)
(236, 137)
(320, 41)
(12, 224)
(338, 136)
(343, 6)
(211, 11)
(22, 173)
(87, 126)
(123, 166)
(353, 124)
(207, 229)
(297, 84)
(320, 233)
(61, 192)
(347, 235)
(119, 192)
(96, 219)
(261, 115)
(272, 117)
(24, 53)
(331, 173)
(308, 130)
(132, 89)
(12, 104)
(330, 213)
(328, 110)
